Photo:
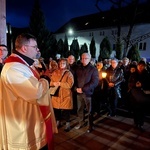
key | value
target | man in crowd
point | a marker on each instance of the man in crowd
(73, 66)
(86, 80)
(114, 77)
(3, 55)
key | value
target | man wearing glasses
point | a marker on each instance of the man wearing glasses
(23, 92)
(3, 55)
(87, 79)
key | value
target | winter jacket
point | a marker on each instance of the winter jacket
(64, 98)
(115, 76)
(143, 78)
(87, 78)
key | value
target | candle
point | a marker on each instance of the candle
(104, 74)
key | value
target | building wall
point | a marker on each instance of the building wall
(3, 22)
(99, 34)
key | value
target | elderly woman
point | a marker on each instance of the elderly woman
(62, 102)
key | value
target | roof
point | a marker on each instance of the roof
(109, 18)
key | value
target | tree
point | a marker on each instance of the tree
(84, 49)
(66, 49)
(92, 48)
(60, 47)
(37, 27)
(134, 15)
(118, 4)
(105, 49)
(133, 53)
(119, 50)
(74, 48)
(54, 48)
(120, 20)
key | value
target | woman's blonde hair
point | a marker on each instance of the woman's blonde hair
(53, 64)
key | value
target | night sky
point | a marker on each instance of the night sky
(56, 12)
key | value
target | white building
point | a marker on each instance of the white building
(104, 24)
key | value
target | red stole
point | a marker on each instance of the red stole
(17, 59)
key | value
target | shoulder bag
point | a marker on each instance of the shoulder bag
(54, 89)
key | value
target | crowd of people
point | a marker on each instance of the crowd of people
(92, 92)
(30, 114)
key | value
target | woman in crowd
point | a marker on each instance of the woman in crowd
(130, 74)
(139, 84)
(100, 92)
(62, 102)
(53, 65)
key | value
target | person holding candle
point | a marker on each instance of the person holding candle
(100, 93)
(114, 77)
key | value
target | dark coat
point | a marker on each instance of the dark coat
(115, 76)
(143, 78)
(86, 77)
(1, 67)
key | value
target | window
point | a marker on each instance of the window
(101, 33)
(114, 32)
(142, 46)
(91, 34)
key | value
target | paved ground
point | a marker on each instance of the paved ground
(110, 133)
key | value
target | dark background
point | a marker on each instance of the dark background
(56, 12)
